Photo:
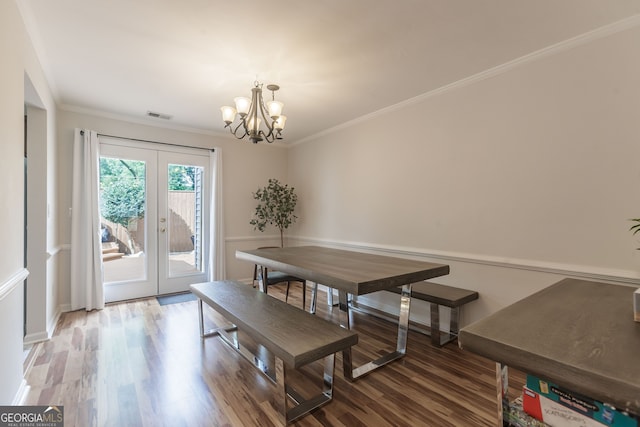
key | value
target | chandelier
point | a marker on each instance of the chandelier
(252, 113)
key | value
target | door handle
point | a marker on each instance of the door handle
(162, 229)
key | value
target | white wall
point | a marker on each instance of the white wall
(42, 240)
(516, 178)
(23, 85)
(37, 201)
(12, 272)
(246, 167)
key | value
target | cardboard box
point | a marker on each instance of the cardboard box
(552, 412)
(636, 305)
(593, 409)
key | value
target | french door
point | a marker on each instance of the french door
(154, 218)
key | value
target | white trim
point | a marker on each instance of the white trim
(12, 282)
(571, 43)
(53, 322)
(64, 308)
(579, 271)
(253, 238)
(57, 249)
(21, 394)
(36, 337)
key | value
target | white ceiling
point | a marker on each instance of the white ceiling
(335, 60)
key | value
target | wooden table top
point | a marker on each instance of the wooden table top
(575, 333)
(357, 273)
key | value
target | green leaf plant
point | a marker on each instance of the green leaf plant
(276, 203)
(635, 228)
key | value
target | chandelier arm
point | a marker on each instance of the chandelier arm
(267, 119)
(234, 132)
(268, 137)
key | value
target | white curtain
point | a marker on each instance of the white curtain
(86, 248)
(216, 238)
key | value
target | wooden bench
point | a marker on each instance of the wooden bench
(438, 295)
(293, 336)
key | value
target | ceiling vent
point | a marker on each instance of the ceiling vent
(159, 115)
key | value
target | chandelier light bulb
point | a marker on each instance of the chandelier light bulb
(242, 105)
(251, 125)
(275, 109)
(228, 114)
(279, 124)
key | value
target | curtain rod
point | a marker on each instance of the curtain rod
(152, 142)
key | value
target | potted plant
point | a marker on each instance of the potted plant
(276, 203)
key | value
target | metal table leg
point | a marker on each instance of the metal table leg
(352, 373)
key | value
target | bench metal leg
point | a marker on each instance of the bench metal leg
(352, 373)
(435, 324)
(436, 338)
(229, 335)
(303, 406)
(200, 318)
(287, 397)
(455, 321)
(327, 378)
(214, 331)
(280, 398)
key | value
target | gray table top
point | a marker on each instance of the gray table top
(354, 272)
(575, 333)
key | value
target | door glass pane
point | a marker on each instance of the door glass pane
(184, 224)
(122, 212)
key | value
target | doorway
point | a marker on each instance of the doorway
(154, 206)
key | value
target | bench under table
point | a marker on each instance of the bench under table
(294, 337)
(437, 295)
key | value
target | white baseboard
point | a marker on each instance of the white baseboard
(21, 394)
(37, 337)
(53, 322)
(34, 338)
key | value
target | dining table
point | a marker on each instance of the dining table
(351, 272)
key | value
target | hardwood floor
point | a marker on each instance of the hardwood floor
(141, 364)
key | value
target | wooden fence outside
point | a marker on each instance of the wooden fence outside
(181, 220)
(180, 226)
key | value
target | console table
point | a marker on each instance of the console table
(576, 333)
